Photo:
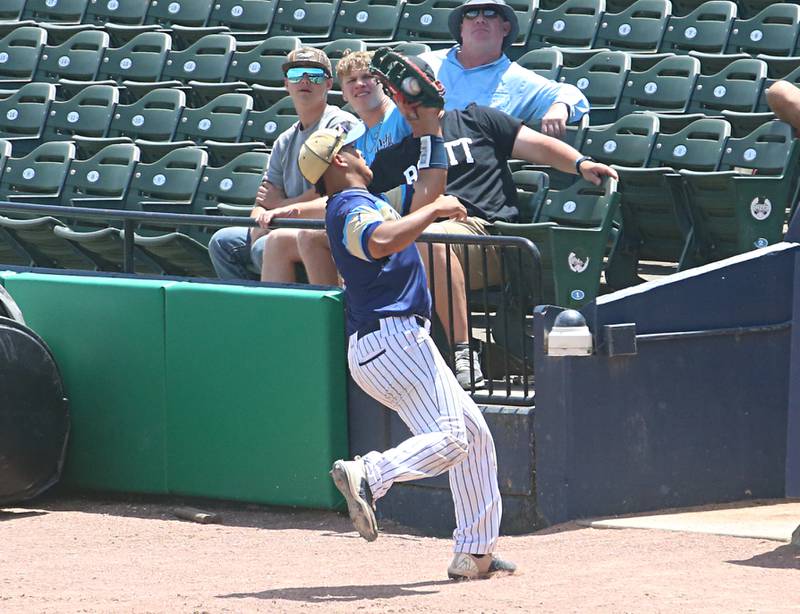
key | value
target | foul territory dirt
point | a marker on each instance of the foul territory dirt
(90, 555)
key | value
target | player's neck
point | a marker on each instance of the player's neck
(375, 116)
(474, 56)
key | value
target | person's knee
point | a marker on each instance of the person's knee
(224, 241)
(308, 240)
(782, 95)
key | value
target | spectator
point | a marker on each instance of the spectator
(365, 95)
(478, 70)
(479, 141)
(237, 253)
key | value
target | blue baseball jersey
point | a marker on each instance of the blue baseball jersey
(392, 129)
(391, 286)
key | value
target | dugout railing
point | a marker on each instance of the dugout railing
(499, 320)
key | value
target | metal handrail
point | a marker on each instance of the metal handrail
(523, 247)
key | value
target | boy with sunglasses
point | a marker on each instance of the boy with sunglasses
(238, 253)
(478, 70)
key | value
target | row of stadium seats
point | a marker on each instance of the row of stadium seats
(365, 18)
(688, 197)
(182, 181)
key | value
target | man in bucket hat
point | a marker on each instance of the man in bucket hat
(478, 70)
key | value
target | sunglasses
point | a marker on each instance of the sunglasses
(314, 75)
(487, 13)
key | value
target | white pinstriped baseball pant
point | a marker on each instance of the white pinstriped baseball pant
(400, 366)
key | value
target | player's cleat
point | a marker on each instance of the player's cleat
(463, 370)
(350, 478)
(469, 567)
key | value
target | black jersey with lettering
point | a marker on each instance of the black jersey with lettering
(478, 142)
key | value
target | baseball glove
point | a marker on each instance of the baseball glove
(401, 77)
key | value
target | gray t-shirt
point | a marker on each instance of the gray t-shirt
(283, 170)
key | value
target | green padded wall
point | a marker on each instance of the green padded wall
(107, 335)
(256, 394)
(224, 391)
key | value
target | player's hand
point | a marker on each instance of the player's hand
(449, 207)
(554, 122)
(595, 171)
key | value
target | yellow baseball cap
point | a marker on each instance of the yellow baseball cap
(317, 152)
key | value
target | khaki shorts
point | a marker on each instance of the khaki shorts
(477, 227)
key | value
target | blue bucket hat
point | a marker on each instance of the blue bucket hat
(454, 21)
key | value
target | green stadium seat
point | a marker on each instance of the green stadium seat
(36, 237)
(655, 223)
(685, 7)
(10, 251)
(23, 113)
(426, 21)
(640, 27)
(11, 10)
(154, 117)
(571, 24)
(670, 123)
(222, 119)
(574, 228)
(262, 63)
(531, 189)
(206, 60)
(38, 176)
(744, 205)
(122, 33)
(220, 154)
(190, 13)
(77, 59)
(122, 12)
(231, 189)
(105, 248)
(168, 184)
(751, 8)
(336, 50)
(103, 179)
(601, 79)
(140, 59)
(545, 62)
(735, 88)
(308, 19)
(367, 19)
(666, 87)
(627, 142)
(772, 31)
(743, 124)
(712, 63)
(19, 55)
(706, 29)
(247, 19)
(177, 254)
(58, 11)
(265, 126)
(88, 113)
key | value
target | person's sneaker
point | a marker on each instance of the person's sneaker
(462, 367)
(350, 478)
(470, 567)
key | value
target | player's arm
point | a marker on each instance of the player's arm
(395, 235)
(541, 149)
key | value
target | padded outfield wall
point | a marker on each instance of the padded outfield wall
(214, 390)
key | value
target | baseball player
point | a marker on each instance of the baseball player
(391, 354)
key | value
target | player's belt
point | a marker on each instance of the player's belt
(375, 326)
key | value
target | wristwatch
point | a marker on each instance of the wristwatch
(580, 161)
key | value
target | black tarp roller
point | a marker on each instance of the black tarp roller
(34, 415)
